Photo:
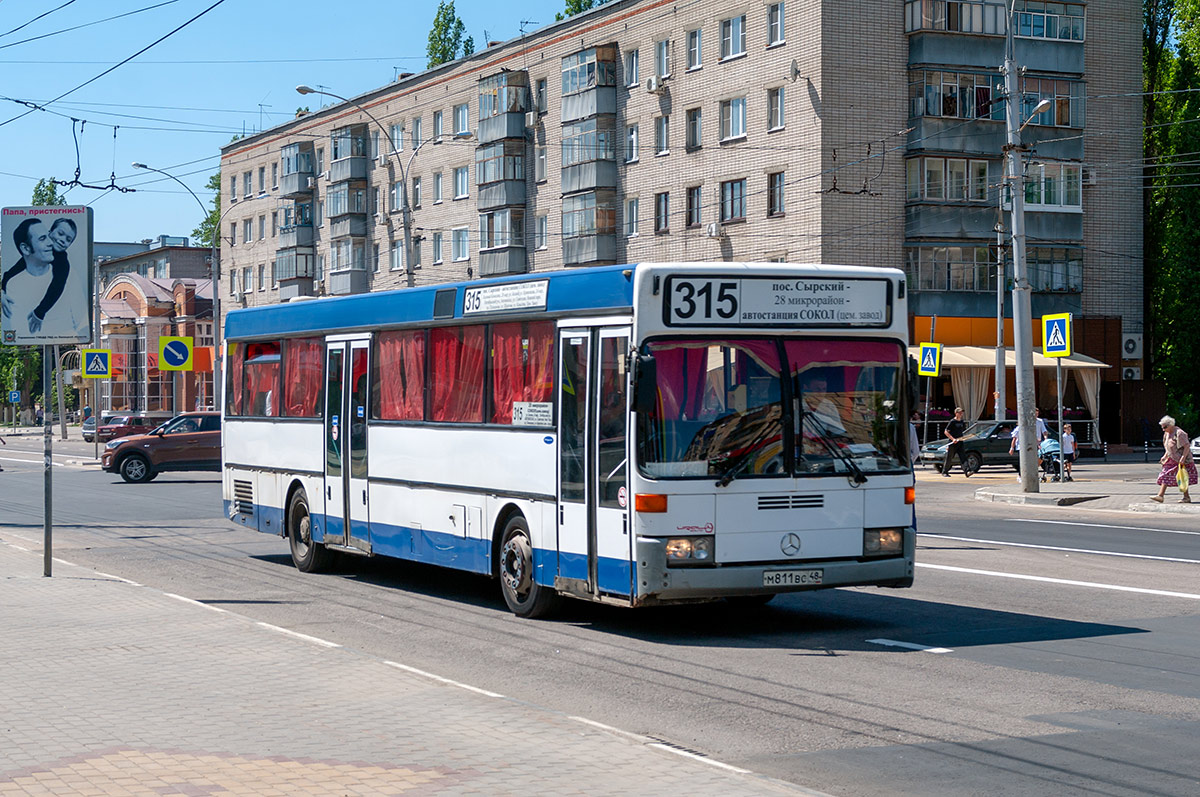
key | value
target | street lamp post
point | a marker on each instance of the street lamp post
(405, 209)
(216, 292)
(1022, 300)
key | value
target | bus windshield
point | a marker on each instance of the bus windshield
(773, 407)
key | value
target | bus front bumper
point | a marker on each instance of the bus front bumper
(657, 583)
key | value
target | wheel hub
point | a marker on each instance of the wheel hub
(515, 565)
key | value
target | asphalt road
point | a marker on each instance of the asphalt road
(1067, 668)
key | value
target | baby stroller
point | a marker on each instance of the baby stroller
(1049, 459)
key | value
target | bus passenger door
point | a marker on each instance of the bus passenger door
(613, 541)
(346, 444)
(575, 551)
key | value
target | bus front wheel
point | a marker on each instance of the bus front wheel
(524, 596)
(308, 556)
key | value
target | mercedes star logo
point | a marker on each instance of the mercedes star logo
(790, 544)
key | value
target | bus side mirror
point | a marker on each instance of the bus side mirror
(914, 394)
(645, 383)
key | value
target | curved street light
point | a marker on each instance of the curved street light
(215, 275)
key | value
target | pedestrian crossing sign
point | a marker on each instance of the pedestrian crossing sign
(930, 363)
(97, 364)
(1056, 335)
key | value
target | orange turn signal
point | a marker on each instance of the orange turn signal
(910, 495)
(650, 502)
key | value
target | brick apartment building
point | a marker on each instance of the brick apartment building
(642, 130)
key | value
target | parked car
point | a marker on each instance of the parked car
(984, 443)
(122, 425)
(191, 441)
(89, 426)
(1196, 446)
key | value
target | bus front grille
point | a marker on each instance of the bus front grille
(796, 501)
(243, 497)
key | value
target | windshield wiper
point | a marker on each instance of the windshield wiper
(740, 463)
(858, 476)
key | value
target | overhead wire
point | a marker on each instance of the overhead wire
(81, 26)
(35, 19)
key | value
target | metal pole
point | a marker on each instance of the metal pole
(1001, 364)
(58, 386)
(1022, 300)
(1062, 473)
(47, 469)
(928, 384)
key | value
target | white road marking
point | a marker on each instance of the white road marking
(1102, 526)
(696, 757)
(118, 578)
(1059, 548)
(892, 643)
(1064, 581)
(195, 602)
(442, 680)
(610, 729)
(325, 643)
(32, 461)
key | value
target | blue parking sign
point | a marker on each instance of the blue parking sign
(14, 397)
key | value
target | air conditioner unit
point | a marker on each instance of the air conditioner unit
(1131, 346)
(714, 230)
(1131, 373)
(531, 118)
(1089, 176)
(654, 84)
(311, 183)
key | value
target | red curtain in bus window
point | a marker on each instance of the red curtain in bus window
(681, 378)
(304, 370)
(457, 373)
(522, 368)
(233, 385)
(262, 379)
(400, 376)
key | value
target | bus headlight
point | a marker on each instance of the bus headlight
(689, 549)
(883, 542)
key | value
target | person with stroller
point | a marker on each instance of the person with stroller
(1050, 459)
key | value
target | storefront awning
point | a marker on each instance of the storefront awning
(984, 357)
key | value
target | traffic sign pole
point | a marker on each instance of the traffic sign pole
(47, 469)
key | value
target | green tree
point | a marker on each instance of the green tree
(577, 7)
(205, 233)
(446, 41)
(45, 193)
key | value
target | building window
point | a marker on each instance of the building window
(733, 37)
(631, 68)
(437, 187)
(662, 139)
(662, 58)
(539, 95)
(375, 208)
(541, 232)
(275, 174)
(461, 182)
(662, 212)
(500, 228)
(418, 136)
(233, 233)
(262, 179)
(504, 160)
(396, 259)
(375, 258)
(437, 248)
(775, 34)
(320, 161)
(775, 117)
(346, 143)
(416, 192)
(775, 182)
(262, 227)
(345, 255)
(586, 215)
(935, 178)
(343, 199)
(1051, 186)
(1032, 18)
(247, 279)
(733, 118)
(462, 122)
(247, 184)
(274, 223)
(395, 200)
(416, 253)
(262, 277)
(539, 162)
(954, 268)
(459, 249)
(376, 153)
(397, 136)
(955, 179)
(631, 217)
(693, 206)
(693, 130)
(586, 141)
(589, 69)
(248, 230)
(733, 200)
(695, 56)
(437, 125)
(631, 143)
(233, 188)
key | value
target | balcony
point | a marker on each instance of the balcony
(297, 185)
(588, 176)
(348, 225)
(509, 260)
(299, 235)
(500, 194)
(349, 281)
(354, 167)
(501, 126)
(590, 249)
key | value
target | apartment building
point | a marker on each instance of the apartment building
(868, 132)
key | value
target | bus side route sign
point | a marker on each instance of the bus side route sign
(930, 363)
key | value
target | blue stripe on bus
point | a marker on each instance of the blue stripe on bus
(593, 289)
(451, 550)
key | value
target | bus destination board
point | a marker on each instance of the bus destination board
(772, 301)
(506, 298)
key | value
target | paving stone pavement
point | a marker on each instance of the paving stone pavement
(112, 688)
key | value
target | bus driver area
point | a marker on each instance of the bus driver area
(632, 435)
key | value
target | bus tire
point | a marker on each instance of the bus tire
(524, 596)
(308, 556)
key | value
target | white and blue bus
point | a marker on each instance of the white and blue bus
(632, 435)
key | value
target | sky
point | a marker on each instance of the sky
(231, 70)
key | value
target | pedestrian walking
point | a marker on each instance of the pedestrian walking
(1176, 455)
(1042, 430)
(1069, 451)
(954, 431)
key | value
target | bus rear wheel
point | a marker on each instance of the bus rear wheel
(524, 596)
(308, 556)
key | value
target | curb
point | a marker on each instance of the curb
(1176, 508)
(95, 462)
(1035, 498)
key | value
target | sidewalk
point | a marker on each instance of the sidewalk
(118, 689)
(1125, 485)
